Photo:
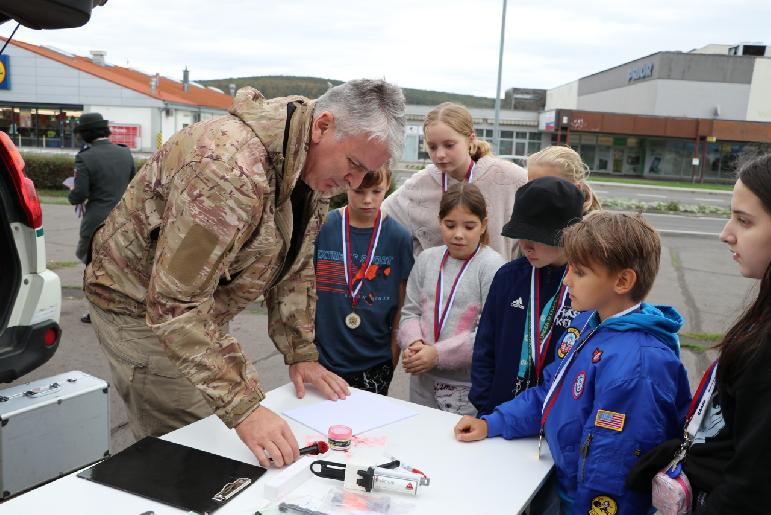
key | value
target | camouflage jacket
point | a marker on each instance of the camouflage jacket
(202, 231)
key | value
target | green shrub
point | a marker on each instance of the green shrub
(48, 171)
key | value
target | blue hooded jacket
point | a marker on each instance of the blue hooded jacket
(624, 391)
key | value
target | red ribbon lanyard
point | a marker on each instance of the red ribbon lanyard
(440, 315)
(700, 390)
(542, 348)
(469, 176)
(350, 277)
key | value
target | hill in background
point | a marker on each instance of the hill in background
(312, 87)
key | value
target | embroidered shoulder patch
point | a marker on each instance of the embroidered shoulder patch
(610, 420)
(571, 335)
(603, 505)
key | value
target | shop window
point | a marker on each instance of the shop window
(422, 150)
(534, 136)
(507, 134)
(506, 146)
(533, 147)
(521, 135)
(519, 148)
(603, 158)
(670, 158)
(411, 145)
(588, 155)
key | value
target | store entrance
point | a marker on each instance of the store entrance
(48, 127)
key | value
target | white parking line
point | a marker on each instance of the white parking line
(710, 200)
(651, 196)
(601, 192)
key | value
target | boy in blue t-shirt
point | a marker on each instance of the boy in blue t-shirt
(362, 263)
(507, 360)
(621, 388)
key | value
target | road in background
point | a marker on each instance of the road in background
(697, 276)
(651, 194)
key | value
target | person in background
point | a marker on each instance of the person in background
(445, 294)
(527, 310)
(362, 259)
(564, 162)
(621, 389)
(457, 156)
(103, 170)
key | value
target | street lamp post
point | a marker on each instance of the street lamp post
(497, 126)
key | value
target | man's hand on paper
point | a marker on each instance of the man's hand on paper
(470, 429)
(331, 385)
(263, 430)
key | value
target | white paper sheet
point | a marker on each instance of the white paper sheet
(361, 411)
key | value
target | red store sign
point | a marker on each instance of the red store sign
(125, 134)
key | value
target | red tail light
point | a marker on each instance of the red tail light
(50, 337)
(25, 188)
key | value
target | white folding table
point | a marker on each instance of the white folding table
(490, 476)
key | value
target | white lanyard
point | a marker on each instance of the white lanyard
(350, 278)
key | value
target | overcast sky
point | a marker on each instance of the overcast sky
(444, 45)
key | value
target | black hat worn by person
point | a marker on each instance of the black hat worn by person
(542, 209)
(91, 121)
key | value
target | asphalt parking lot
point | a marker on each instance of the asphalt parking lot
(697, 276)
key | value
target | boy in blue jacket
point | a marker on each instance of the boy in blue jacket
(621, 389)
(506, 358)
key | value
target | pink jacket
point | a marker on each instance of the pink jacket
(415, 204)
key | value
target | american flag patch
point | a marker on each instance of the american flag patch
(610, 420)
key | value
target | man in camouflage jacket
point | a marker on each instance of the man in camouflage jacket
(226, 211)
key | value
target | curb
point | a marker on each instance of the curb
(667, 188)
(690, 234)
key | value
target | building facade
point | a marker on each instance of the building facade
(43, 92)
(688, 115)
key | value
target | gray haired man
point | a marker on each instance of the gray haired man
(226, 211)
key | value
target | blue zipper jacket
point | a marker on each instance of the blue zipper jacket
(498, 343)
(625, 392)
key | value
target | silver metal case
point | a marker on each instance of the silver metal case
(51, 427)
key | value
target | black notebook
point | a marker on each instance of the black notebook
(174, 474)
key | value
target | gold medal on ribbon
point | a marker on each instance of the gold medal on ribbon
(355, 278)
(352, 321)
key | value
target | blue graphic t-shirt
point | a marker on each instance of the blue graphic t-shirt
(349, 351)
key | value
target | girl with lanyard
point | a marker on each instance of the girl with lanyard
(527, 310)
(727, 461)
(445, 294)
(457, 156)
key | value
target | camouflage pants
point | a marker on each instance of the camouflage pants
(158, 398)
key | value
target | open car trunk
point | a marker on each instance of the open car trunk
(10, 278)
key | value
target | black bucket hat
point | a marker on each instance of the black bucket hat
(91, 121)
(542, 209)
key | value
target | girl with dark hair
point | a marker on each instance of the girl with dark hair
(445, 294)
(728, 459)
(728, 462)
